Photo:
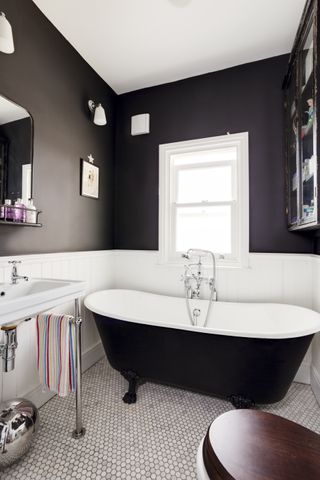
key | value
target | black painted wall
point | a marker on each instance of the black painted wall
(52, 81)
(244, 98)
(18, 135)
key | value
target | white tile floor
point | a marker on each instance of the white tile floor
(157, 438)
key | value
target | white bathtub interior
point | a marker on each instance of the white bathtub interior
(254, 320)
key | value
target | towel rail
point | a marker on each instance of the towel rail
(79, 431)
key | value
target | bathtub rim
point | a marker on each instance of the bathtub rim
(198, 329)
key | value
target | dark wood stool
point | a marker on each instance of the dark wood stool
(254, 445)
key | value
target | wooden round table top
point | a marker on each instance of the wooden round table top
(254, 445)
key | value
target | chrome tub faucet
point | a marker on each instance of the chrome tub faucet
(198, 277)
(193, 282)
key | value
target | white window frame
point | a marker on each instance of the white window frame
(239, 204)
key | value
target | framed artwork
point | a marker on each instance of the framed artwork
(89, 179)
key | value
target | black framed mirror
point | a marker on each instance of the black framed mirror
(16, 152)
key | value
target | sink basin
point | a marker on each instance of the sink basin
(8, 292)
(26, 299)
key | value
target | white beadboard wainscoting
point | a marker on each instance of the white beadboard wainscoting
(96, 268)
(284, 278)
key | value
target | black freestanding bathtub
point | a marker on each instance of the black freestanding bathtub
(248, 352)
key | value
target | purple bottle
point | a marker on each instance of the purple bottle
(19, 213)
(7, 210)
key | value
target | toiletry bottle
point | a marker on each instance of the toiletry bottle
(2, 212)
(19, 213)
(8, 210)
(31, 212)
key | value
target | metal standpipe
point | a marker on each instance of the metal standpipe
(8, 348)
(79, 430)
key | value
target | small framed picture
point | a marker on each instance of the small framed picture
(89, 179)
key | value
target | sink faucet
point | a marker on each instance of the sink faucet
(14, 273)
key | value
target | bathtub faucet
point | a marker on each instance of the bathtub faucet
(198, 278)
(193, 282)
(189, 276)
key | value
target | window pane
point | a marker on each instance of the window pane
(208, 228)
(205, 156)
(204, 184)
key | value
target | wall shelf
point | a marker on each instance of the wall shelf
(12, 210)
(20, 224)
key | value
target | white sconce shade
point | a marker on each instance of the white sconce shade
(140, 124)
(99, 115)
(6, 36)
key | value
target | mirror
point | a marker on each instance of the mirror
(16, 151)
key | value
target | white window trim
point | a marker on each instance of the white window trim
(241, 235)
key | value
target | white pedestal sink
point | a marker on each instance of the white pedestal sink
(28, 298)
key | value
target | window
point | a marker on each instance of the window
(204, 198)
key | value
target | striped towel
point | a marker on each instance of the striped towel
(57, 353)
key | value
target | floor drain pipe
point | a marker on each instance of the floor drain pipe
(8, 348)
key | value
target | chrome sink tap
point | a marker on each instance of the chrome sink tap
(14, 273)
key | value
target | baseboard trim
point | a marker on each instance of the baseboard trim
(303, 374)
(92, 356)
(39, 396)
(315, 383)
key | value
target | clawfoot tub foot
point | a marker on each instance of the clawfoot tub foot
(241, 402)
(133, 379)
(129, 398)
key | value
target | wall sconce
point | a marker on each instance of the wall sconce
(98, 113)
(6, 37)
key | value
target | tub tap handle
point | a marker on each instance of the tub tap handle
(196, 314)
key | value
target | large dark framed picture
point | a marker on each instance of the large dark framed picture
(89, 179)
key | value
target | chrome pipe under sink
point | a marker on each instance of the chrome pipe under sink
(8, 348)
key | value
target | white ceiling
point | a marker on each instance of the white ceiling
(140, 43)
(10, 112)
